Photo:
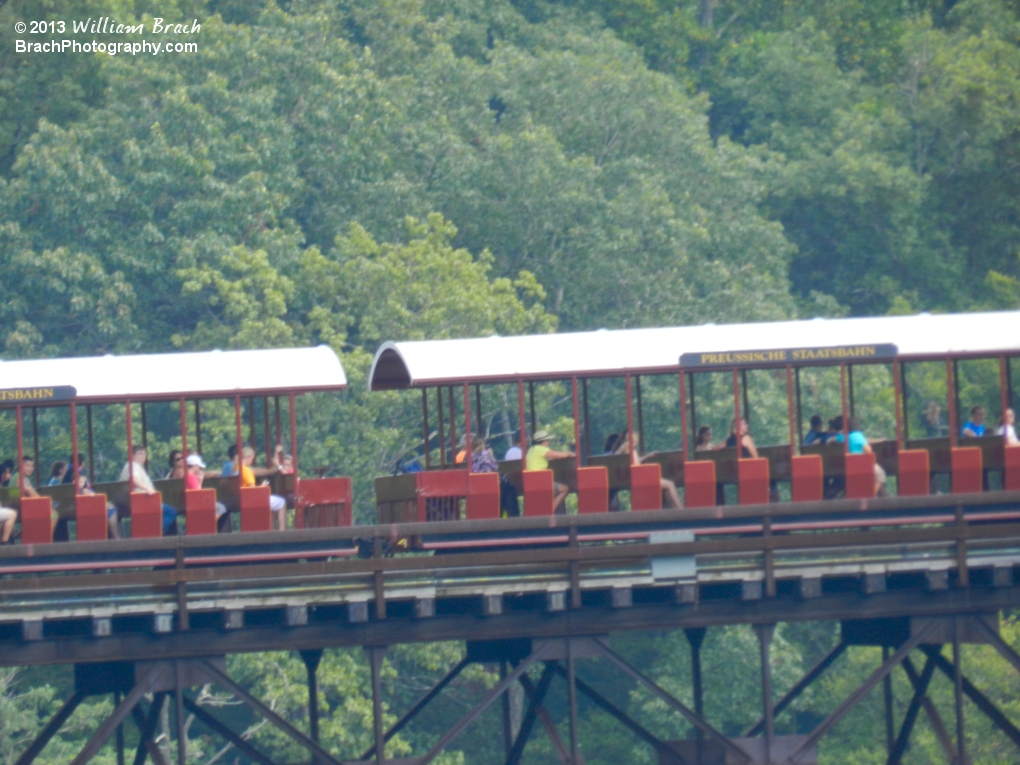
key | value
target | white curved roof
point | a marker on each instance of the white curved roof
(650, 351)
(208, 374)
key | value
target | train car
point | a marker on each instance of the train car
(56, 391)
(896, 374)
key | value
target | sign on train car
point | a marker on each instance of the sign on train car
(765, 357)
(15, 396)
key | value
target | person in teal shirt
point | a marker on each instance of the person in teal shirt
(857, 443)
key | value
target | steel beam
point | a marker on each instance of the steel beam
(934, 718)
(146, 727)
(149, 681)
(319, 755)
(841, 711)
(491, 696)
(961, 741)
(920, 691)
(530, 717)
(375, 660)
(547, 722)
(695, 719)
(311, 660)
(419, 705)
(218, 727)
(765, 632)
(54, 725)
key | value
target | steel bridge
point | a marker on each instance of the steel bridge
(155, 617)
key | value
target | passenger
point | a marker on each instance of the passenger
(277, 504)
(703, 441)
(57, 472)
(934, 427)
(538, 459)
(7, 518)
(193, 480)
(84, 487)
(858, 444)
(817, 434)
(482, 458)
(461, 451)
(975, 427)
(176, 463)
(27, 468)
(230, 466)
(134, 472)
(6, 470)
(835, 429)
(1007, 428)
(669, 492)
(514, 453)
(747, 447)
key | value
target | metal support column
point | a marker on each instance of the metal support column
(961, 744)
(887, 698)
(311, 659)
(572, 701)
(696, 637)
(765, 632)
(375, 658)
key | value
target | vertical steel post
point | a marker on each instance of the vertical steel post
(961, 743)
(279, 427)
(765, 632)
(74, 448)
(120, 731)
(904, 392)
(442, 431)
(577, 424)
(468, 445)
(744, 388)
(694, 412)
(1003, 386)
(292, 411)
(695, 638)
(425, 439)
(950, 369)
(375, 657)
(572, 701)
(270, 445)
(850, 385)
(184, 430)
(237, 432)
(182, 735)
(898, 392)
(790, 411)
(531, 397)
(640, 414)
(842, 387)
(145, 428)
(130, 446)
(198, 427)
(88, 433)
(587, 419)
(736, 414)
(520, 417)
(683, 417)
(35, 441)
(478, 411)
(630, 418)
(311, 659)
(453, 423)
(887, 695)
(800, 409)
(251, 426)
(508, 738)
(21, 452)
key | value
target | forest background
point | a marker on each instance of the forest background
(351, 171)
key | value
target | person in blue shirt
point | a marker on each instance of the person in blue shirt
(857, 443)
(975, 426)
(817, 434)
(229, 468)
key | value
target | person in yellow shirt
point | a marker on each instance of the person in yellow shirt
(538, 459)
(277, 504)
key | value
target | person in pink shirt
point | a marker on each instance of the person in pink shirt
(193, 480)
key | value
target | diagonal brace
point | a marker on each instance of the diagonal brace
(934, 718)
(530, 716)
(146, 727)
(213, 723)
(913, 709)
(547, 721)
(54, 725)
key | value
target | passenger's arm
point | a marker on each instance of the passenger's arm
(554, 455)
(748, 442)
(968, 433)
(867, 448)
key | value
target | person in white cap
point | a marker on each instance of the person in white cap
(193, 480)
(538, 459)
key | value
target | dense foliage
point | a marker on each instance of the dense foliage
(351, 171)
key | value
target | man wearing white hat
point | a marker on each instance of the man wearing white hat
(538, 459)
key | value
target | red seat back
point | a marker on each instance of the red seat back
(806, 478)
(593, 489)
(860, 476)
(146, 515)
(967, 469)
(753, 481)
(646, 487)
(323, 502)
(434, 484)
(538, 492)
(91, 517)
(482, 496)
(913, 473)
(255, 512)
(1011, 468)
(200, 511)
(699, 483)
(36, 520)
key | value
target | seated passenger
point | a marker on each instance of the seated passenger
(817, 434)
(538, 459)
(703, 441)
(1007, 428)
(671, 498)
(27, 468)
(461, 451)
(7, 519)
(135, 474)
(193, 480)
(277, 504)
(858, 444)
(230, 466)
(6, 470)
(57, 471)
(176, 463)
(934, 426)
(747, 447)
(482, 458)
(514, 452)
(975, 426)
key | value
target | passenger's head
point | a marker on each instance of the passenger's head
(932, 410)
(477, 444)
(611, 440)
(247, 455)
(195, 464)
(740, 424)
(541, 437)
(58, 469)
(1008, 417)
(138, 453)
(287, 463)
(6, 470)
(977, 414)
(852, 424)
(27, 465)
(176, 458)
(231, 451)
(704, 435)
(836, 423)
(816, 422)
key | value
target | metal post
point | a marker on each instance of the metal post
(453, 423)
(88, 429)
(237, 433)
(520, 417)
(846, 425)
(887, 696)
(961, 744)
(442, 431)
(468, 438)
(375, 657)
(737, 435)
(744, 389)
(508, 735)
(900, 414)
(694, 412)
(270, 444)
(952, 402)
(184, 431)
(145, 428)
(790, 412)
(120, 732)
(572, 701)
(1003, 387)
(531, 396)
(251, 425)
(683, 418)
(292, 412)
(800, 409)
(182, 736)
(640, 413)
(630, 418)
(478, 412)
(425, 438)
(587, 419)
(130, 460)
(279, 428)
(35, 440)
(74, 448)
(850, 384)
(198, 426)
(577, 424)
(765, 632)
(311, 659)
(696, 637)
(905, 408)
